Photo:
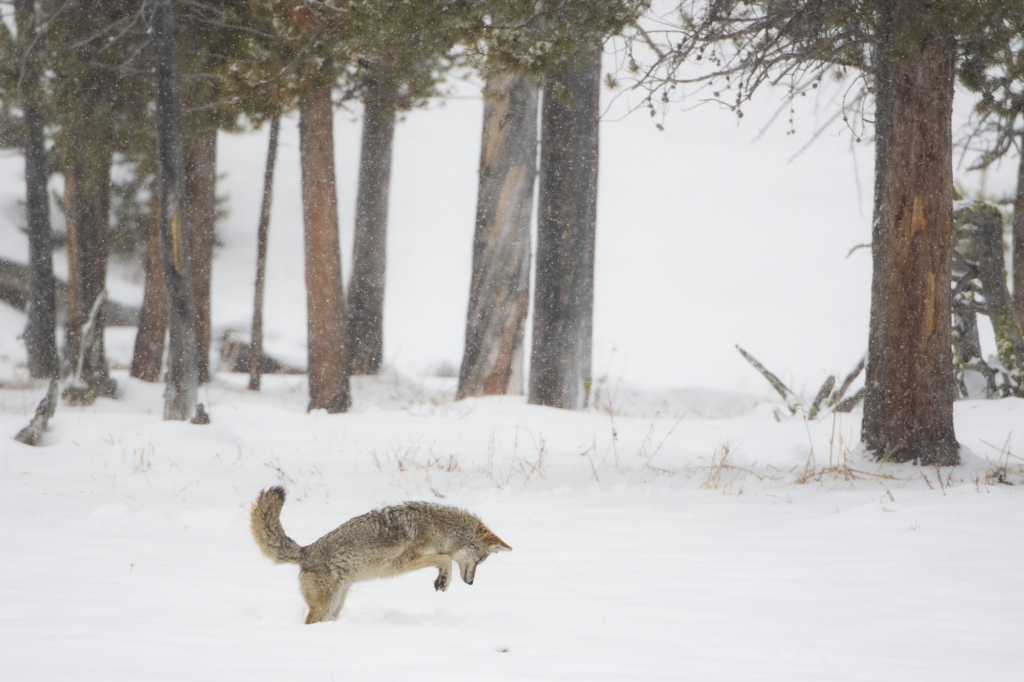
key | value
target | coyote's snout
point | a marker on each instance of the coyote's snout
(380, 544)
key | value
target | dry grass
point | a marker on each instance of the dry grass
(838, 469)
(721, 474)
(442, 471)
(1004, 472)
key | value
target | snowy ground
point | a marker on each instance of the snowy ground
(641, 550)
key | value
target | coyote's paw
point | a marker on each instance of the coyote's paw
(444, 579)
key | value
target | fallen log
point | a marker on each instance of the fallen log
(31, 434)
(823, 392)
(791, 398)
(235, 357)
(14, 291)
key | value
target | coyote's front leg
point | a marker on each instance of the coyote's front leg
(413, 562)
(444, 577)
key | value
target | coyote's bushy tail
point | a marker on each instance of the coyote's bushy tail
(266, 528)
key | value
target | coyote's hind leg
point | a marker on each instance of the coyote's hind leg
(319, 590)
(337, 601)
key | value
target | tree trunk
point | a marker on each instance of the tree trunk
(325, 302)
(175, 230)
(908, 407)
(148, 356)
(201, 204)
(87, 154)
(1017, 264)
(365, 305)
(560, 360)
(41, 332)
(256, 347)
(499, 294)
(983, 224)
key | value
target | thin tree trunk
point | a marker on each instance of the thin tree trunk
(41, 332)
(148, 356)
(499, 294)
(201, 204)
(175, 230)
(365, 305)
(87, 156)
(256, 346)
(560, 361)
(986, 231)
(1017, 264)
(325, 299)
(908, 407)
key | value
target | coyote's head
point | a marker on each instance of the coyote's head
(472, 554)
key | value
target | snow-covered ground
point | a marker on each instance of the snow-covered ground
(711, 543)
(680, 532)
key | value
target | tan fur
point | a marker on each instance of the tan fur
(383, 543)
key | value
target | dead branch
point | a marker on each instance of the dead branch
(791, 398)
(31, 434)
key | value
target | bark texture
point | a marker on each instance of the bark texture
(201, 205)
(256, 368)
(41, 331)
(325, 302)
(175, 228)
(1017, 257)
(560, 359)
(86, 150)
(908, 406)
(499, 294)
(365, 303)
(148, 355)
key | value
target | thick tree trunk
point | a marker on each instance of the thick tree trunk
(1017, 263)
(41, 332)
(499, 293)
(201, 205)
(87, 152)
(560, 360)
(256, 347)
(175, 230)
(325, 301)
(365, 305)
(148, 356)
(908, 407)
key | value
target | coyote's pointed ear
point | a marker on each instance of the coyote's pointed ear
(491, 541)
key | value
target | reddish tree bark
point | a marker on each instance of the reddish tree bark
(325, 302)
(148, 355)
(201, 205)
(908, 406)
(499, 294)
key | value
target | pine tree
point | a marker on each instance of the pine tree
(560, 43)
(997, 128)
(908, 52)
(41, 332)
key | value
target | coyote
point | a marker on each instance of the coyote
(383, 543)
